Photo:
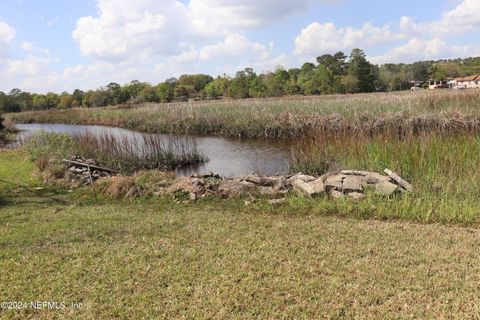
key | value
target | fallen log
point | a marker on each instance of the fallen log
(80, 164)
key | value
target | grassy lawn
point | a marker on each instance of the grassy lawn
(223, 260)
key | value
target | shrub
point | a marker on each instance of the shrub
(47, 149)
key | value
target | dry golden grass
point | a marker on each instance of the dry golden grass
(287, 117)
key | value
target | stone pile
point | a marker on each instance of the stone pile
(347, 183)
(82, 171)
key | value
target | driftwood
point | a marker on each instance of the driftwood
(80, 164)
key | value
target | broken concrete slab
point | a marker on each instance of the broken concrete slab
(302, 177)
(352, 184)
(399, 180)
(310, 189)
(334, 182)
(385, 189)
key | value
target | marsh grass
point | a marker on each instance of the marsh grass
(286, 118)
(123, 153)
(442, 168)
(129, 154)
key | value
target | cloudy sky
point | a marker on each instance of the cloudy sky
(60, 45)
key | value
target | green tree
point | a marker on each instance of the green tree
(335, 64)
(52, 100)
(184, 92)
(7, 104)
(165, 91)
(77, 97)
(350, 84)
(360, 68)
(40, 102)
(148, 94)
(19, 100)
(65, 101)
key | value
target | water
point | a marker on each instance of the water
(227, 157)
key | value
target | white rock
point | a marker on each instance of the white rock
(385, 188)
(309, 189)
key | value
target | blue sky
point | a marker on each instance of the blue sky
(62, 45)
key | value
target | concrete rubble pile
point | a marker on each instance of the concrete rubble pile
(349, 184)
(344, 184)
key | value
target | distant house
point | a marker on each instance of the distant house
(433, 84)
(470, 82)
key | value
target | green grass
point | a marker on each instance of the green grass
(443, 170)
(285, 118)
(221, 259)
(15, 169)
(227, 261)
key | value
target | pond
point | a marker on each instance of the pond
(226, 157)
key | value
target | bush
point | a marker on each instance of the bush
(47, 149)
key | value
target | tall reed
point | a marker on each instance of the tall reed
(289, 117)
(132, 153)
(444, 170)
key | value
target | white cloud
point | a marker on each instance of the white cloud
(234, 45)
(7, 34)
(147, 28)
(126, 28)
(419, 49)
(425, 40)
(319, 38)
(151, 40)
(465, 17)
(225, 16)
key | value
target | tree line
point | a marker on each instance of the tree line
(331, 74)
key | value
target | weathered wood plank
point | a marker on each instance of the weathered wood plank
(89, 166)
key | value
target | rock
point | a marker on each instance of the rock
(351, 184)
(192, 196)
(335, 194)
(301, 177)
(209, 175)
(266, 191)
(231, 189)
(399, 180)
(374, 178)
(354, 173)
(356, 196)
(385, 189)
(280, 185)
(309, 189)
(253, 179)
(198, 182)
(366, 178)
(277, 201)
(334, 182)
(90, 162)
